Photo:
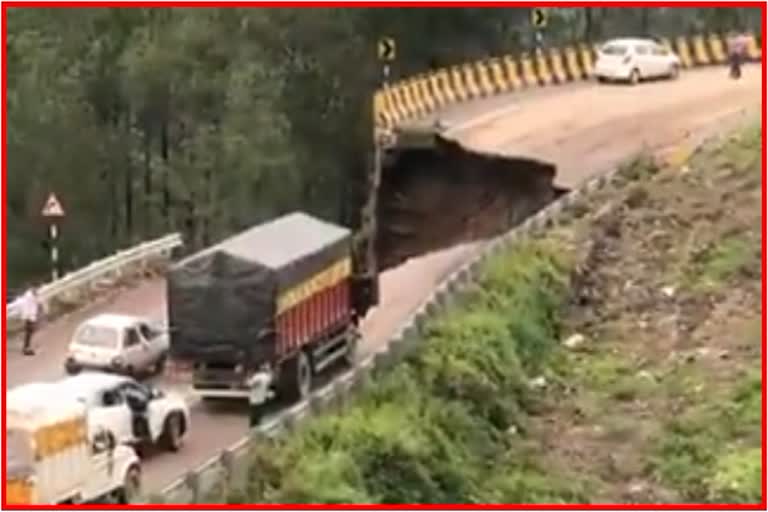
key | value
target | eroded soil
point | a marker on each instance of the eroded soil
(658, 396)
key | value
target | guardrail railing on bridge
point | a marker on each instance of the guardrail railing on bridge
(424, 94)
(81, 283)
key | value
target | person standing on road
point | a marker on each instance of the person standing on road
(737, 49)
(30, 307)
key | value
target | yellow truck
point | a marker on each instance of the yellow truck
(53, 455)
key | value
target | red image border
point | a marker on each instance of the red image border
(464, 3)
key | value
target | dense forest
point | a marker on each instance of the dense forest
(145, 121)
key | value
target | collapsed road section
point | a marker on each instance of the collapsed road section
(435, 193)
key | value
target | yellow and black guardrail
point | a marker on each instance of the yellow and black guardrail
(423, 94)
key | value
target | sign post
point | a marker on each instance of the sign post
(53, 212)
(539, 20)
(386, 50)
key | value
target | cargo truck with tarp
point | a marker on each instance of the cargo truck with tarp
(54, 456)
(260, 314)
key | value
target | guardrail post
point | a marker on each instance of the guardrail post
(192, 480)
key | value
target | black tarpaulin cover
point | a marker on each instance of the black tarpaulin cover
(222, 300)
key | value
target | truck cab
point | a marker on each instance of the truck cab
(54, 456)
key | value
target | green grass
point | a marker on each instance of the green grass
(717, 265)
(711, 451)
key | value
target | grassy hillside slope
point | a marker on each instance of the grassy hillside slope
(613, 359)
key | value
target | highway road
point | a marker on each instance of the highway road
(583, 129)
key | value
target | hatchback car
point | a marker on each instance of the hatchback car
(633, 60)
(120, 343)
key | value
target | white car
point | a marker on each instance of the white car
(634, 60)
(120, 343)
(135, 413)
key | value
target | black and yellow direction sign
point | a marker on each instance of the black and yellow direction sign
(387, 49)
(539, 17)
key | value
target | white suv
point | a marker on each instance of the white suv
(136, 414)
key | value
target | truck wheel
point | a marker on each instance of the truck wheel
(304, 376)
(172, 432)
(131, 486)
(297, 379)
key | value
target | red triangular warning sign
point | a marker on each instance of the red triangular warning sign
(52, 207)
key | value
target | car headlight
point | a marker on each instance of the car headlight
(117, 361)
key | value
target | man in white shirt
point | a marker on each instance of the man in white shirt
(30, 311)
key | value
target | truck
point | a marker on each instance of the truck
(260, 314)
(54, 455)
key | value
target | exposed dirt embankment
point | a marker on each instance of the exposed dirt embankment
(433, 198)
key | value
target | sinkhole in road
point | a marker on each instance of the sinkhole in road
(437, 196)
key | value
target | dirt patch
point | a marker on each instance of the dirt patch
(434, 198)
(661, 379)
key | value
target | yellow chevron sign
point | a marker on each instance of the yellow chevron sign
(387, 49)
(539, 17)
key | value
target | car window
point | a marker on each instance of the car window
(642, 49)
(146, 331)
(97, 337)
(660, 50)
(136, 389)
(614, 49)
(131, 338)
(111, 398)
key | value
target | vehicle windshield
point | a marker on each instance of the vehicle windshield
(97, 337)
(614, 49)
(19, 458)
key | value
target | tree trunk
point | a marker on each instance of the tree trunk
(128, 183)
(209, 210)
(645, 21)
(588, 24)
(165, 154)
(148, 178)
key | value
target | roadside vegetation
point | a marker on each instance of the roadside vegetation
(616, 358)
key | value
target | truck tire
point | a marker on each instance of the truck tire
(296, 381)
(131, 488)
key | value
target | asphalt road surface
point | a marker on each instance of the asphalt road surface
(583, 129)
